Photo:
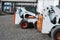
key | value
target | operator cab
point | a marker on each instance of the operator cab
(53, 15)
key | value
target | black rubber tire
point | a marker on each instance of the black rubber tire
(35, 25)
(54, 32)
(22, 22)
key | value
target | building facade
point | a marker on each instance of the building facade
(11, 5)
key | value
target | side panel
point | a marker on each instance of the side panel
(47, 25)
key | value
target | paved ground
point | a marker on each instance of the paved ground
(10, 31)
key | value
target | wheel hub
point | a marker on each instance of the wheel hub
(24, 25)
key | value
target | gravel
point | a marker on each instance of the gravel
(10, 31)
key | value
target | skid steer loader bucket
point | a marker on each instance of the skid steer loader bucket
(39, 23)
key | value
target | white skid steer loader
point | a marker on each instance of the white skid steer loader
(47, 22)
(25, 18)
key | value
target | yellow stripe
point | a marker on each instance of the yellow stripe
(14, 17)
(39, 23)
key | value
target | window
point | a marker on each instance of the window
(58, 5)
(31, 8)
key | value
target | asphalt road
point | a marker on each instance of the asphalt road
(10, 31)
